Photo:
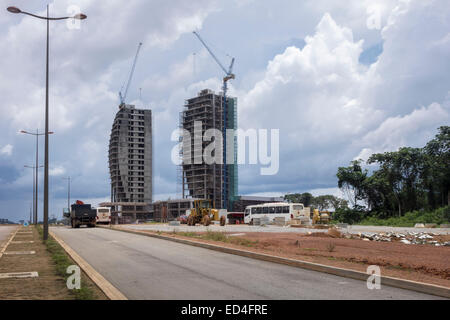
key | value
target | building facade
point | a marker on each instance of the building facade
(199, 179)
(169, 210)
(241, 202)
(130, 156)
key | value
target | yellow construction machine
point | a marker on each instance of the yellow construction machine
(203, 212)
(321, 217)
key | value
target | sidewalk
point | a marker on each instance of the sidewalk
(28, 254)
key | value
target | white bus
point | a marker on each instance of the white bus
(273, 210)
(103, 215)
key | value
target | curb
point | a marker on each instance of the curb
(13, 234)
(388, 281)
(108, 289)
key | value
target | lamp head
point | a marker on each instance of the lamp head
(14, 10)
(80, 16)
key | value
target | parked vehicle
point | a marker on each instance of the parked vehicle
(103, 215)
(236, 217)
(82, 214)
(203, 212)
(183, 219)
(274, 210)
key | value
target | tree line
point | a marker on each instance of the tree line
(322, 203)
(403, 181)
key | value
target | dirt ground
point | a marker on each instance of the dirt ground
(48, 286)
(422, 263)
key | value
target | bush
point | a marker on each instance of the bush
(439, 216)
(350, 216)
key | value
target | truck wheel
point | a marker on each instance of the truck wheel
(223, 221)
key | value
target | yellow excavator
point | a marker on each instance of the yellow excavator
(203, 212)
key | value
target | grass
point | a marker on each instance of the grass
(219, 237)
(153, 222)
(62, 262)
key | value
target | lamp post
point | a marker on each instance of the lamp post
(68, 192)
(35, 202)
(78, 16)
(35, 191)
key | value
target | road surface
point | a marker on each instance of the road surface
(5, 232)
(148, 268)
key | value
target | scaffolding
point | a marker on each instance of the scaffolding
(199, 179)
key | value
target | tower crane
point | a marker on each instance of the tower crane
(228, 76)
(124, 95)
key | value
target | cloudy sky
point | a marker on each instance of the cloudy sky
(339, 81)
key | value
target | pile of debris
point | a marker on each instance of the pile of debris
(406, 238)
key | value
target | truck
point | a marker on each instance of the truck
(82, 214)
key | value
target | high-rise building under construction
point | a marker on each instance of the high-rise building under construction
(202, 180)
(130, 156)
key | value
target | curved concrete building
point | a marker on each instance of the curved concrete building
(130, 156)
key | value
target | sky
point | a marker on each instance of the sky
(339, 81)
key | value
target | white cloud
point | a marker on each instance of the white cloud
(414, 129)
(7, 150)
(57, 171)
(328, 191)
(329, 107)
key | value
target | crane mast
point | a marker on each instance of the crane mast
(124, 95)
(228, 76)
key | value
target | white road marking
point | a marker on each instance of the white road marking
(19, 252)
(19, 275)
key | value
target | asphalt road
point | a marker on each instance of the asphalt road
(5, 232)
(148, 268)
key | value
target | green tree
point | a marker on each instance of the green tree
(401, 170)
(304, 198)
(351, 180)
(437, 176)
(326, 202)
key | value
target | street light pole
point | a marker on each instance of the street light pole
(46, 140)
(78, 16)
(36, 202)
(34, 189)
(68, 192)
(35, 192)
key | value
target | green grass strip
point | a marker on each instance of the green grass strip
(62, 262)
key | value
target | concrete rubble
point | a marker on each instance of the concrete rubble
(406, 238)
